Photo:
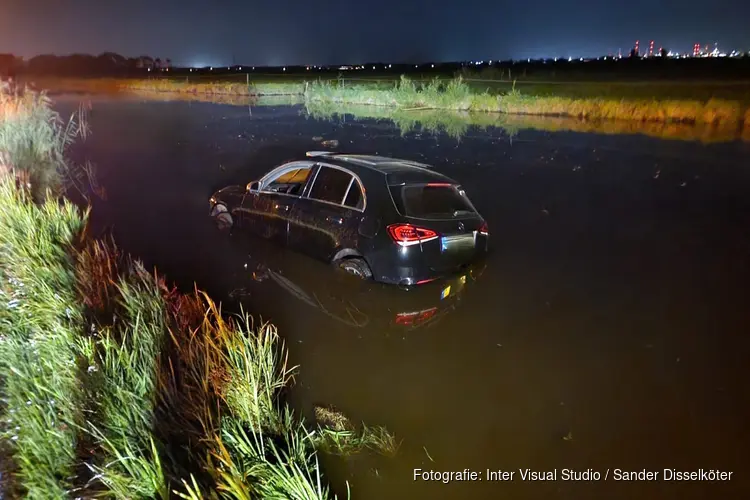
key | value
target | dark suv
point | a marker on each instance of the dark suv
(395, 221)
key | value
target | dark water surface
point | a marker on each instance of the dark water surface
(609, 329)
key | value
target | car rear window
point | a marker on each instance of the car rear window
(426, 201)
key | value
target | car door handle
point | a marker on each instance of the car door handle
(335, 220)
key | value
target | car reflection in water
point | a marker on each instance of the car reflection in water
(345, 298)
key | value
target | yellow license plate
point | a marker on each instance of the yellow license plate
(446, 292)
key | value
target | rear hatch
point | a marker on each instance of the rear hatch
(455, 234)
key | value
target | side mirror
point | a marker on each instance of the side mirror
(253, 186)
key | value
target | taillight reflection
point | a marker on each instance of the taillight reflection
(415, 318)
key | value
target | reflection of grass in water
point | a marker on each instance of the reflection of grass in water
(433, 121)
(457, 124)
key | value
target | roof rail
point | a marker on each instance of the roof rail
(415, 164)
(314, 154)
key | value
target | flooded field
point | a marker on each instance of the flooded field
(608, 329)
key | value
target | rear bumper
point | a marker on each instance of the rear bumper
(415, 265)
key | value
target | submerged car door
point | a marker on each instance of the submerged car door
(327, 217)
(266, 212)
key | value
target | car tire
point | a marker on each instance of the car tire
(222, 217)
(356, 267)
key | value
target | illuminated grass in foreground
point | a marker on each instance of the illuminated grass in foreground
(114, 384)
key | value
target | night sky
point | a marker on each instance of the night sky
(288, 32)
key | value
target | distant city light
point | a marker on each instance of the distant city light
(389, 66)
(432, 65)
(211, 68)
(373, 67)
(570, 59)
(283, 69)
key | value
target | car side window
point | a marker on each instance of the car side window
(289, 182)
(330, 185)
(354, 197)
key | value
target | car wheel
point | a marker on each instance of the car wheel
(357, 267)
(222, 217)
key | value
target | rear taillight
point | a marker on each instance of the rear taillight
(415, 318)
(484, 229)
(406, 234)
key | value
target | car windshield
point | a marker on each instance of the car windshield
(431, 201)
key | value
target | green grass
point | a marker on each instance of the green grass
(39, 313)
(34, 140)
(458, 96)
(257, 447)
(605, 85)
(39, 320)
(116, 386)
(127, 366)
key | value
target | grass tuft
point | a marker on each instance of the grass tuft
(127, 367)
(34, 139)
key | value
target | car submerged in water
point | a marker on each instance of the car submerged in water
(394, 221)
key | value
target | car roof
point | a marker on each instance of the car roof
(397, 171)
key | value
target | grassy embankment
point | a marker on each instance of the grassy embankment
(656, 108)
(459, 96)
(113, 384)
(230, 87)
